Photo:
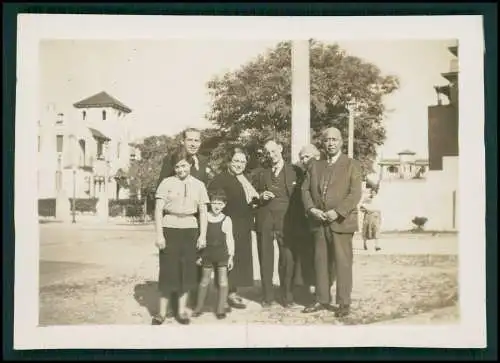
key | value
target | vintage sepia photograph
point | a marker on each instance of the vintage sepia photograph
(209, 184)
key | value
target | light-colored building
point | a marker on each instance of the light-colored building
(85, 149)
(434, 194)
(406, 166)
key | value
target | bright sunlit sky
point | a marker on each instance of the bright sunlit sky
(164, 82)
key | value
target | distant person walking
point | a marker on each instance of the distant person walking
(372, 217)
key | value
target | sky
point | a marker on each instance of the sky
(164, 81)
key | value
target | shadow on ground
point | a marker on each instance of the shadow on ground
(302, 296)
(146, 294)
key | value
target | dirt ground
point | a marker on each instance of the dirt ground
(108, 276)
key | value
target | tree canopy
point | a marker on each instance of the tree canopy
(255, 102)
(257, 99)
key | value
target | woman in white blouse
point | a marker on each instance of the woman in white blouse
(179, 199)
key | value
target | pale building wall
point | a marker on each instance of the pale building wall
(118, 151)
(432, 197)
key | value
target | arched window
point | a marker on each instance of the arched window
(392, 169)
(104, 115)
(84, 115)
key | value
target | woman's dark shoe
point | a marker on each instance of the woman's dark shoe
(183, 319)
(236, 302)
(377, 248)
(220, 316)
(157, 320)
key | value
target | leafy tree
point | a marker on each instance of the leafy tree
(257, 99)
(144, 173)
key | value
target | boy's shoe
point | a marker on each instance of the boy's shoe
(220, 316)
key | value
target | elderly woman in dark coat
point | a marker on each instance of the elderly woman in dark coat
(240, 196)
(304, 246)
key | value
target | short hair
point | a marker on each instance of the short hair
(218, 194)
(190, 129)
(238, 149)
(310, 147)
(271, 139)
(179, 154)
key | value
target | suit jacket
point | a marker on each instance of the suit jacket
(262, 183)
(167, 169)
(343, 192)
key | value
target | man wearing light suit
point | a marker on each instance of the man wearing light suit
(331, 193)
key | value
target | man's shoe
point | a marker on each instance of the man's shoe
(157, 320)
(267, 304)
(183, 319)
(196, 314)
(342, 311)
(314, 308)
(220, 316)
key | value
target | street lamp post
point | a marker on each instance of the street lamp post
(73, 155)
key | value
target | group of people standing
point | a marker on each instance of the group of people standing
(204, 225)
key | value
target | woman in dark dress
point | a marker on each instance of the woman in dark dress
(240, 194)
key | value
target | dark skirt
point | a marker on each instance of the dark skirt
(371, 225)
(178, 270)
(242, 273)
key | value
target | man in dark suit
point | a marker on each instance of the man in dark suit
(331, 192)
(192, 142)
(275, 185)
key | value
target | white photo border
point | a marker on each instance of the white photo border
(469, 333)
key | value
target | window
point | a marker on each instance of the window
(59, 119)
(100, 150)
(82, 153)
(59, 142)
(84, 115)
(104, 115)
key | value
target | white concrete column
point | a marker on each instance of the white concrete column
(301, 110)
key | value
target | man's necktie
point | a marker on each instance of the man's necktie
(196, 163)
